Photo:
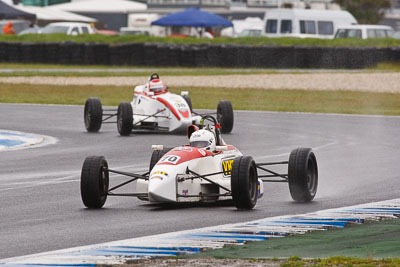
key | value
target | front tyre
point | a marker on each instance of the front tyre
(244, 183)
(189, 102)
(302, 174)
(93, 114)
(225, 116)
(94, 182)
(156, 156)
(124, 119)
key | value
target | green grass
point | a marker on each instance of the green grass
(372, 240)
(242, 99)
(241, 41)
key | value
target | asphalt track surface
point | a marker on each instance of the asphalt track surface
(41, 208)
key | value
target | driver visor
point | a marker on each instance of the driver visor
(199, 144)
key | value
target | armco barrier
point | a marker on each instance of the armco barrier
(203, 55)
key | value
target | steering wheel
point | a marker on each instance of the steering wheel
(216, 127)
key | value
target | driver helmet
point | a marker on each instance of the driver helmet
(156, 85)
(203, 139)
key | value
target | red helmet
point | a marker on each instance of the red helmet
(156, 85)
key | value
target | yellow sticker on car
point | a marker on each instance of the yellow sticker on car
(227, 167)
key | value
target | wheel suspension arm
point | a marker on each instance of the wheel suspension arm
(153, 115)
(134, 175)
(272, 173)
(208, 180)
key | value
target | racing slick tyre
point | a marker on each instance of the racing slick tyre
(189, 102)
(157, 155)
(225, 116)
(93, 114)
(244, 183)
(94, 182)
(125, 119)
(302, 174)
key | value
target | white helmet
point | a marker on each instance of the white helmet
(203, 139)
(156, 85)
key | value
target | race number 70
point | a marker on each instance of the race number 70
(170, 159)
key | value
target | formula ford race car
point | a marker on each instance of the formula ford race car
(153, 108)
(206, 170)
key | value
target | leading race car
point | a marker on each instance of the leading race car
(153, 108)
(205, 170)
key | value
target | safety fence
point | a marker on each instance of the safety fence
(202, 55)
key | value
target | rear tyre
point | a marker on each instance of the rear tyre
(156, 156)
(225, 116)
(244, 183)
(303, 174)
(189, 102)
(93, 114)
(124, 119)
(94, 182)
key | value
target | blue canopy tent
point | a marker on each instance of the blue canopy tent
(193, 17)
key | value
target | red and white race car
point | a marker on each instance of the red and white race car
(153, 108)
(205, 170)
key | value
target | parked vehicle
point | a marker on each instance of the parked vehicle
(69, 28)
(364, 31)
(396, 35)
(305, 23)
(140, 24)
(251, 26)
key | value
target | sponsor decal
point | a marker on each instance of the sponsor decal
(227, 167)
(185, 192)
(170, 159)
(258, 188)
(202, 152)
(180, 105)
(161, 110)
(159, 173)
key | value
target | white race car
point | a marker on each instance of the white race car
(205, 170)
(153, 108)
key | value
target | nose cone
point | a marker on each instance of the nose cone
(162, 185)
(159, 191)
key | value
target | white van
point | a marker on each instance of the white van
(305, 23)
(364, 31)
(140, 24)
(69, 28)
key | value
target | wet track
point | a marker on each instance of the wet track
(41, 209)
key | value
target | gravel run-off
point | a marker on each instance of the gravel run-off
(367, 82)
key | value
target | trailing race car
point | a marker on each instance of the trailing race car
(153, 108)
(205, 170)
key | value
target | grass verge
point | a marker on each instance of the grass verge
(346, 102)
(256, 41)
(372, 240)
(30, 70)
